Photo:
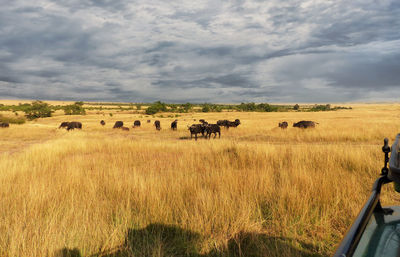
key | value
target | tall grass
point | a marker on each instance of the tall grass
(257, 191)
(12, 120)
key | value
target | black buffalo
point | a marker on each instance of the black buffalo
(4, 125)
(102, 122)
(305, 124)
(196, 129)
(157, 124)
(283, 125)
(227, 124)
(136, 123)
(212, 129)
(64, 124)
(174, 125)
(221, 122)
(74, 125)
(118, 124)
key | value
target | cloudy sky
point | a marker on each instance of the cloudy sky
(200, 51)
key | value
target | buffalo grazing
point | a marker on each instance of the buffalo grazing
(64, 124)
(305, 124)
(102, 122)
(136, 123)
(118, 124)
(227, 124)
(283, 125)
(212, 129)
(174, 125)
(74, 125)
(157, 124)
(4, 125)
(196, 129)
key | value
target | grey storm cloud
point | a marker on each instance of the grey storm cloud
(202, 51)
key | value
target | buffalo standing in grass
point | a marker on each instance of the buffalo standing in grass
(227, 124)
(235, 123)
(118, 124)
(136, 123)
(174, 125)
(305, 124)
(4, 125)
(212, 129)
(64, 124)
(74, 125)
(157, 124)
(283, 125)
(102, 122)
(196, 129)
(221, 122)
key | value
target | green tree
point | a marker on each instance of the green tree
(206, 108)
(156, 107)
(74, 109)
(187, 107)
(38, 109)
(296, 107)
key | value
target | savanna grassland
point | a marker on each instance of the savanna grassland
(257, 191)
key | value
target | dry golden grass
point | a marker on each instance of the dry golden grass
(257, 191)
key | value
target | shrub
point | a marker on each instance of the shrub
(320, 107)
(74, 109)
(151, 110)
(206, 108)
(156, 107)
(38, 109)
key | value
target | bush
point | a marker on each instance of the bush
(252, 107)
(320, 107)
(206, 108)
(187, 107)
(296, 107)
(38, 109)
(156, 107)
(74, 109)
(151, 110)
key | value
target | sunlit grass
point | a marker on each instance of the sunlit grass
(257, 191)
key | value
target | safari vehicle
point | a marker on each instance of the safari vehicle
(376, 230)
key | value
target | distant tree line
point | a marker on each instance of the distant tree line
(40, 109)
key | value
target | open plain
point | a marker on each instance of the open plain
(257, 191)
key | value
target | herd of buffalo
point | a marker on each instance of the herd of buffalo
(204, 128)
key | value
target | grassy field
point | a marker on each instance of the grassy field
(256, 191)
